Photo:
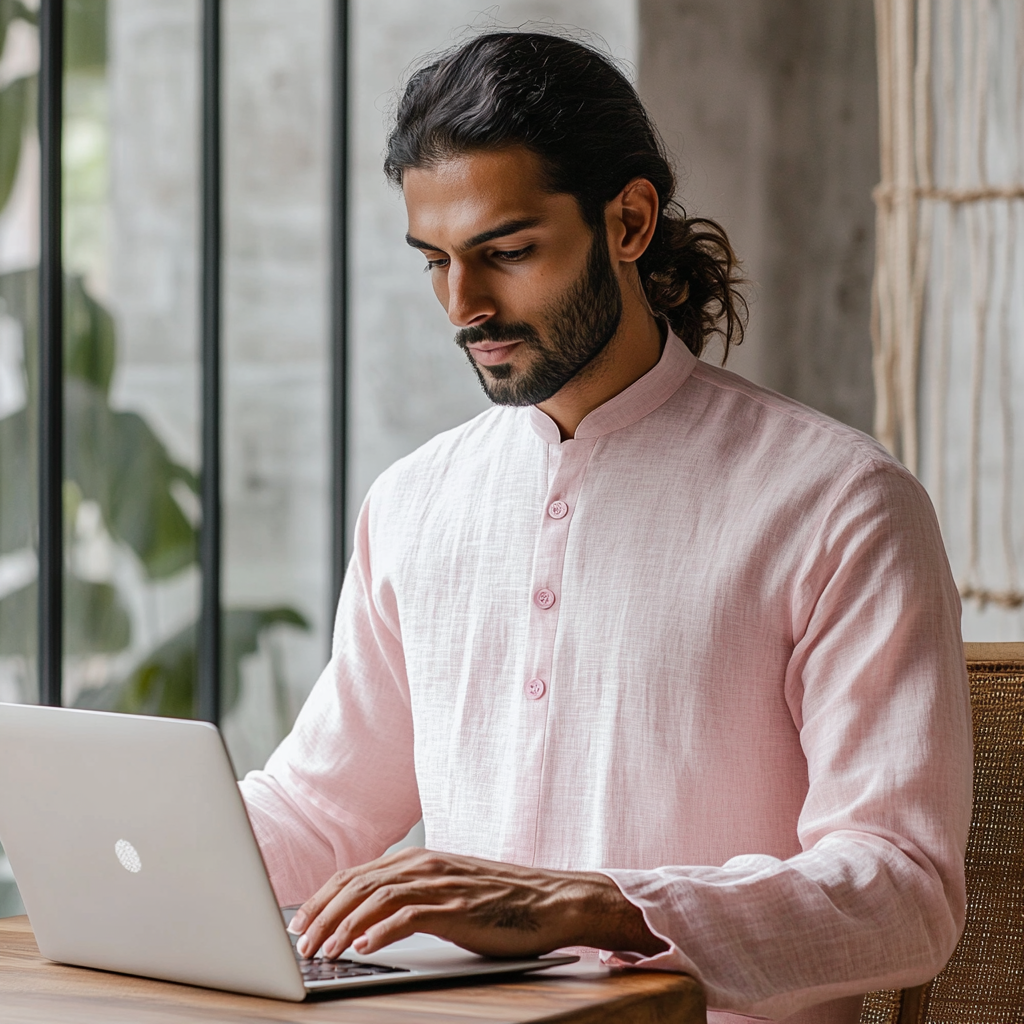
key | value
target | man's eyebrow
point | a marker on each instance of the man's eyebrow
(510, 227)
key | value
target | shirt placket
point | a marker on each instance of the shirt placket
(568, 467)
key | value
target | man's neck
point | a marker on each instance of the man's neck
(633, 351)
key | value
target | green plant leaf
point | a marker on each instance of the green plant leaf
(9, 10)
(114, 457)
(164, 683)
(118, 462)
(242, 630)
(18, 290)
(17, 431)
(143, 511)
(17, 484)
(18, 623)
(89, 347)
(19, 299)
(95, 621)
(14, 99)
(85, 35)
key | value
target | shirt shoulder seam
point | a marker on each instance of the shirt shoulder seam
(784, 407)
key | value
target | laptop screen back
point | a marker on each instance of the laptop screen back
(133, 852)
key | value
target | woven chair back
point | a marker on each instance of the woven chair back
(983, 983)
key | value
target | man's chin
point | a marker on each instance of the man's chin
(499, 372)
(509, 384)
(506, 393)
(515, 389)
(503, 385)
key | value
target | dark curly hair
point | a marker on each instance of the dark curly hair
(572, 107)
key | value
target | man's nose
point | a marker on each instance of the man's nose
(469, 303)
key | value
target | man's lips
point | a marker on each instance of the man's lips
(490, 353)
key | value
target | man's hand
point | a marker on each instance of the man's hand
(484, 906)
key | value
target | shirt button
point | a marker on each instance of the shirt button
(535, 689)
(557, 509)
(544, 598)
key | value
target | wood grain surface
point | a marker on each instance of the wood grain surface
(36, 991)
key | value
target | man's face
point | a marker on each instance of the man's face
(529, 285)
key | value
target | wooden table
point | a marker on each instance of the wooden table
(35, 991)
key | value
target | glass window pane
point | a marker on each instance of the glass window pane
(276, 371)
(19, 255)
(131, 373)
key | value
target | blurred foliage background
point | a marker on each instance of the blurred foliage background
(122, 488)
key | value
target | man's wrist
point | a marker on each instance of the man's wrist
(607, 920)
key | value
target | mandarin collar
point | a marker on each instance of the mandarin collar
(642, 397)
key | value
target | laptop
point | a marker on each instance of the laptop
(131, 847)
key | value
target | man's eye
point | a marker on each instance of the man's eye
(513, 255)
(435, 265)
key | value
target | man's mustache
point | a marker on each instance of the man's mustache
(497, 332)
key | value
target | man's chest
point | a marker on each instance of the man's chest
(607, 617)
(592, 563)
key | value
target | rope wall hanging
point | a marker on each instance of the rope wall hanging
(948, 299)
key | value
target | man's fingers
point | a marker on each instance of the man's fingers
(360, 893)
(320, 914)
(316, 903)
(403, 902)
(391, 864)
(334, 901)
(378, 905)
(400, 925)
(353, 901)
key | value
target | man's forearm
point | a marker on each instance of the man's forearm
(488, 907)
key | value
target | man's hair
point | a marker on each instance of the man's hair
(572, 107)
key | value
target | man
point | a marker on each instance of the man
(669, 665)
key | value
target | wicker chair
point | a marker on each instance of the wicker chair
(983, 983)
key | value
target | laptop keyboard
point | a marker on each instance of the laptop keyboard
(318, 969)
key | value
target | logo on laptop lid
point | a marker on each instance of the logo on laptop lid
(128, 856)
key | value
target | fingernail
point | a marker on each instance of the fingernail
(330, 947)
(303, 946)
(361, 943)
(297, 925)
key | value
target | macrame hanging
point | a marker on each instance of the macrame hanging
(948, 310)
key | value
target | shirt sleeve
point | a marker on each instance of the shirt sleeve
(877, 687)
(341, 787)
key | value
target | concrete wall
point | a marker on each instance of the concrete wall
(771, 110)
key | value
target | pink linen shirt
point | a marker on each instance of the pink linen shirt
(709, 646)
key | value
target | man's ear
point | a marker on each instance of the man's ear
(631, 218)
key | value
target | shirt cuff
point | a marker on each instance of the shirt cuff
(671, 959)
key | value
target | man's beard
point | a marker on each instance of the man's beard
(581, 324)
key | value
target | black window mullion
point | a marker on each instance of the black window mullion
(51, 356)
(339, 190)
(209, 668)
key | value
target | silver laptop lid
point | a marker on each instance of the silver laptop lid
(133, 851)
